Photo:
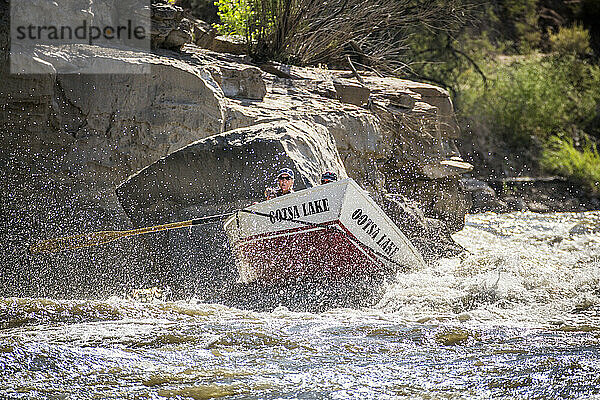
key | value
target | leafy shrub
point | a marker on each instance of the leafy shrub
(574, 40)
(534, 96)
(561, 157)
(234, 15)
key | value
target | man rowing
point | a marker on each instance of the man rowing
(285, 183)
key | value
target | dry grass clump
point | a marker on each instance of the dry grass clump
(311, 32)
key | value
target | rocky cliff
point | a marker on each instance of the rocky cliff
(202, 132)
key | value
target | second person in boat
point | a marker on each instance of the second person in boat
(328, 176)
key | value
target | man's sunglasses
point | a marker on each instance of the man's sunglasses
(287, 178)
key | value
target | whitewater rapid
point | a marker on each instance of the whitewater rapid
(516, 316)
(519, 268)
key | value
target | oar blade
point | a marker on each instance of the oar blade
(75, 242)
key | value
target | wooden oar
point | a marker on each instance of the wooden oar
(97, 238)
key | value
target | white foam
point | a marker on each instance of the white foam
(521, 268)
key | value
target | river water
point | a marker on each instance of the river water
(517, 316)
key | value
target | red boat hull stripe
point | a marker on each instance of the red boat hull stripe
(308, 251)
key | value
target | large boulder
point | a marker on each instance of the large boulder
(229, 170)
(430, 236)
(66, 141)
(108, 126)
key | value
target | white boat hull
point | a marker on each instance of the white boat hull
(333, 231)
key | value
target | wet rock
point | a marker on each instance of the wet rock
(453, 337)
(464, 317)
(229, 170)
(537, 206)
(585, 228)
(351, 93)
(428, 235)
(443, 199)
(4, 30)
(483, 197)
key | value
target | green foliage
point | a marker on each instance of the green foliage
(492, 28)
(534, 96)
(574, 40)
(234, 15)
(561, 157)
(523, 16)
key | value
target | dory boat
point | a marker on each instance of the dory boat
(333, 231)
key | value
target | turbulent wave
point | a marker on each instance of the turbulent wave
(517, 316)
(520, 268)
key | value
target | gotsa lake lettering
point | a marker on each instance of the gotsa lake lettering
(370, 227)
(299, 210)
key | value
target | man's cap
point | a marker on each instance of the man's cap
(329, 176)
(286, 171)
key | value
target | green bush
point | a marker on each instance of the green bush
(561, 157)
(234, 15)
(574, 40)
(533, 96)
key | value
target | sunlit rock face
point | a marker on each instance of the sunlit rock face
(400, 140)
(68, 141)
(113, 124)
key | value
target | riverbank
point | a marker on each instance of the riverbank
(202, 133)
